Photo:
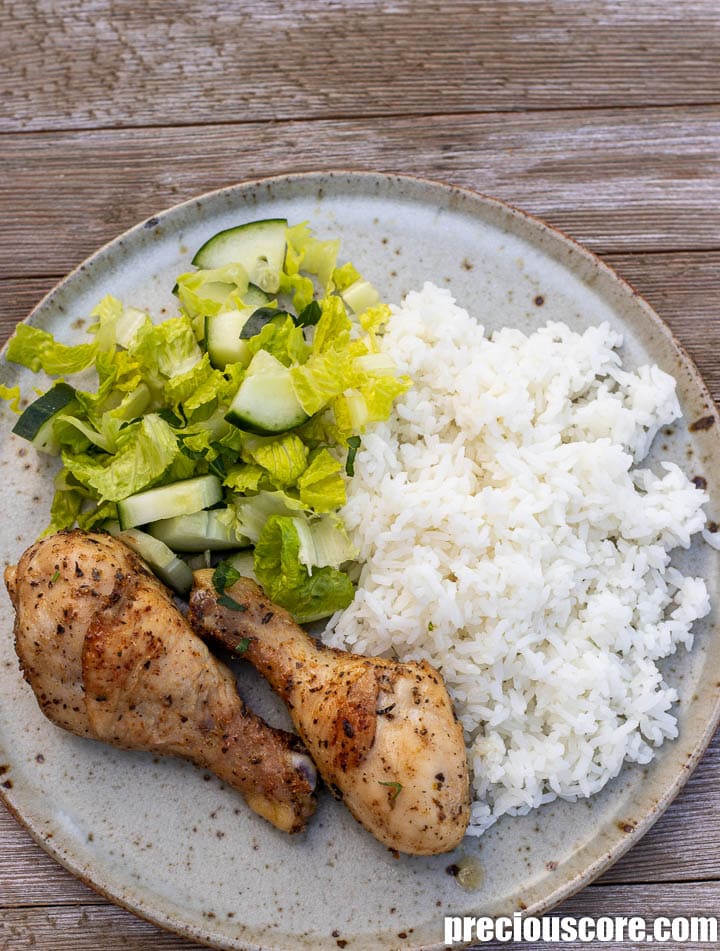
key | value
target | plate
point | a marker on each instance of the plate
(173, 844)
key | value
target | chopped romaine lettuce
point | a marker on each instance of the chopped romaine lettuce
(345, 276)
(323, 377)
(301, 288)
(284, 458)
(324, 543)
(208, 291)
(308, 597)
(245, 478)
(36, 349)
(283, 340)
(305, 252)
(12, 395)
(169, 348)
(195, 394)
(146, 451)
(254, 511)
(321, 486)
(158, 412)
(333, 329)
(66, 504)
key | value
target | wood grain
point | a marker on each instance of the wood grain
(90, 928)
(84, 928)
(618, 180)
(647, 901)
(678, 848)
(100, 62)
(602, 117)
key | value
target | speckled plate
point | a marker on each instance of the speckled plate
(176, 846)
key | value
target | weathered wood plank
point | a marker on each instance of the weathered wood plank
(619, 180)
(683, 845)
(96, 63)
(684, 290)
(646, 901)
(87, 928)
(84, 928)
(682, 287)
(28, 876)
(18, 296)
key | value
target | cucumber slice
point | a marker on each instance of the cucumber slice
(222, 338)
(259, 246)
(36, 422)
(179, 498)
(197, 562)
(260, 317)
(266, 402)
(359, 296)
(201, 531)
(256, 297)
(163, 562)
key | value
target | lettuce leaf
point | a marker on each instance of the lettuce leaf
(373, 318)
(12, 395)
(66, 505)
(133, 404)
(283, 340)
(196, 393)
(118, 374)
(208, 291)
(284, 458)
(321, 486)
(254, 511)
(332, 331)
(351, 413)
(245, 478)
(146, 450)
(301, 288)
(38, 350)
(77, 434)
(108, 313)
(380, 392)
(286, 581)
(344, 276)
(324, 542)
(102, 512)
(307, 253)
(169, 348)
(323, 377)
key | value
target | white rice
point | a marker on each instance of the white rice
(510, 537)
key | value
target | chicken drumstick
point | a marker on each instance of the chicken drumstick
(109, 656)
(383, 735)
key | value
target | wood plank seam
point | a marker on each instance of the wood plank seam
(689, 106)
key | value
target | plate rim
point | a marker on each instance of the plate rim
(316, 178)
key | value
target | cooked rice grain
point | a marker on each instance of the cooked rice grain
(509, 536)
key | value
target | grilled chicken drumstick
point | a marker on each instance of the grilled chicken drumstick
(383, 735)
(109, 656)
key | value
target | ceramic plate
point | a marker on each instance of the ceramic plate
(172, 843)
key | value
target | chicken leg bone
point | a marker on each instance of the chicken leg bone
(383, 735)
(109, 656)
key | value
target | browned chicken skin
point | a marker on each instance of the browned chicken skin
(109, 656)
(383, 735)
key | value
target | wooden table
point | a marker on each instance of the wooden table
(601, 117)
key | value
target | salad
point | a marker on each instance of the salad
(231, 427)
